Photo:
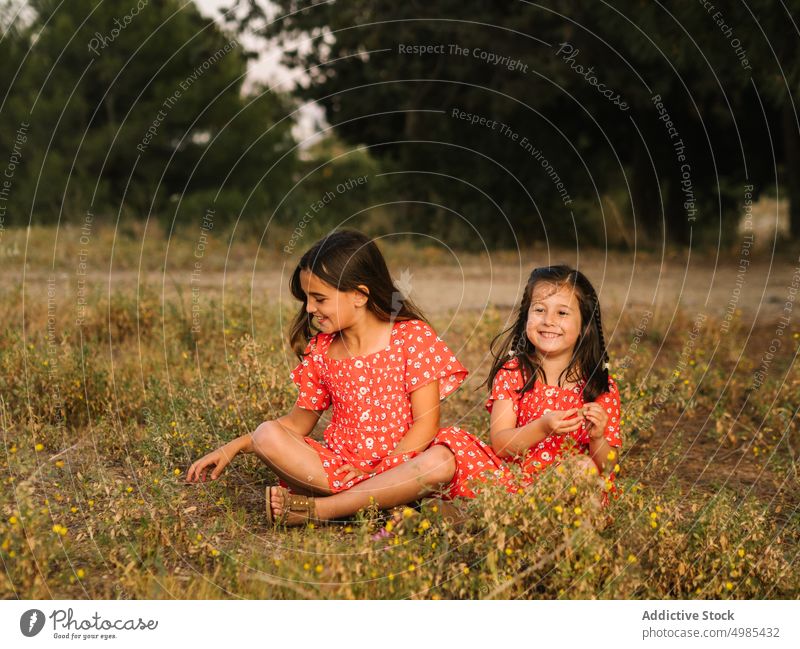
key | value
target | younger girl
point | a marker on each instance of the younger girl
(370, 356)
(550, 383)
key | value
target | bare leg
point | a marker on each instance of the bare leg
(398, 486)
(290, 458)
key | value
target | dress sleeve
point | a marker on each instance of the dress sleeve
(611, 403)
(311, 392)
(428, 358)
(505, 385)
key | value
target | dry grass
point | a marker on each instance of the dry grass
(99, 422)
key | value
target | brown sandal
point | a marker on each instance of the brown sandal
(294, 504)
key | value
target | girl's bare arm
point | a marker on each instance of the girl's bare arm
(298, 422)
(599, 448)
(425, 410)
(508, 439)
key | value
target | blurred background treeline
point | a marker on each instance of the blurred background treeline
(134, 109)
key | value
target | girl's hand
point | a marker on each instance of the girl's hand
(561, 422)
(598, 418)
(218, 459)
(350, 472)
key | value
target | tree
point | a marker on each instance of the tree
(582, 61)
(138, 106)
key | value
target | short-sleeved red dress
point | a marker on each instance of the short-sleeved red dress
(371, 399)
(540, 400)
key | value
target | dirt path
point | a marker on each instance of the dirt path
(623, 282)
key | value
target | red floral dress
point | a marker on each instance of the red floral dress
(540, 400)
(371, 399)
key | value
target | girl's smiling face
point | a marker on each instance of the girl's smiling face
(332, 309)
(554, 320)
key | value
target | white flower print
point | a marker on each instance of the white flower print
(378, 392)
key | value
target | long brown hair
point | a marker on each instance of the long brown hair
(347, 260)
(589, 360)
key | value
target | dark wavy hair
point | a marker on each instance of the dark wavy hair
(348, 260)
(589, 360)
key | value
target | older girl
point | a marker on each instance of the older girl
(366, 352)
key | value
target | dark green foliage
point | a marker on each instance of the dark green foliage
(726, 85)
(136, 109)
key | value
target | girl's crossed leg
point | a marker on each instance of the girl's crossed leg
(298, 465)
(290, 458)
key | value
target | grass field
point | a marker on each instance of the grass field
(124, 361)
